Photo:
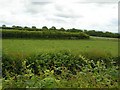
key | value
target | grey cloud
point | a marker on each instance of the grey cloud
(91, 1)
(58, 20)
(104, 4)
(59, 8)
(4, 22)
(34, 9)
(114, 22)
(99, 1)
(42, 0)
(41, 3)
(37, 7)
(68, 15)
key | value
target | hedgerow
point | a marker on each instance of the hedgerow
(43, 34)
(59, 70)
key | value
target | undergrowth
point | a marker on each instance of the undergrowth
(60, 70)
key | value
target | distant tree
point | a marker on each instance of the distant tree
(80, 30)
(26, 27)
(53, 28)
(85, 30)
(33, 27)
(17, 27)
(73, 29)
(44, 28)
(13, 26)
(62, 29)
(3, 26)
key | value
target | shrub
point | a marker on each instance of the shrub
(58, 70)
(43, 34)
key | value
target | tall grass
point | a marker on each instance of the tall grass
(26, 46)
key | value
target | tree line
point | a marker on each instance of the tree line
(53, 28)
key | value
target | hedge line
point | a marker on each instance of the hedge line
(59, 70)
(43, 34)
(50, 61)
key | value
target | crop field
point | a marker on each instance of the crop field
(28, 46)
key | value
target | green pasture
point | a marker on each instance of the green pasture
(0, 82)
(27, 46)
(63, 69)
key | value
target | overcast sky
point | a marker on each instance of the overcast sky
(81, 14)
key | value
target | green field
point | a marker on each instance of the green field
(37, 63)
(27, 46)
(0, 84)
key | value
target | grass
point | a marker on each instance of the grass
(27, 46)
(60, 69)
(0, 83)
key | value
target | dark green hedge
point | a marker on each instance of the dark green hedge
(43, 34)
(102, 34)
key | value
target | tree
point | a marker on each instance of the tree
(3, 26)
(85, 31)
(14, 26)
(62, 29)
(26, 27)
(53, 28)
(44, 28)
(17, 27)
(33, 27)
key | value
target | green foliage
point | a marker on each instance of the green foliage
(44, 28)
(3, 26)
(96, 55)
(53, 28)
(43, 34)
(102, 34)
(62, 29)
(33, 27)
(58, 70)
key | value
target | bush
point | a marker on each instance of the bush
(43, 34)
(58, 70)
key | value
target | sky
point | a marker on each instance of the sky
(97, 15)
